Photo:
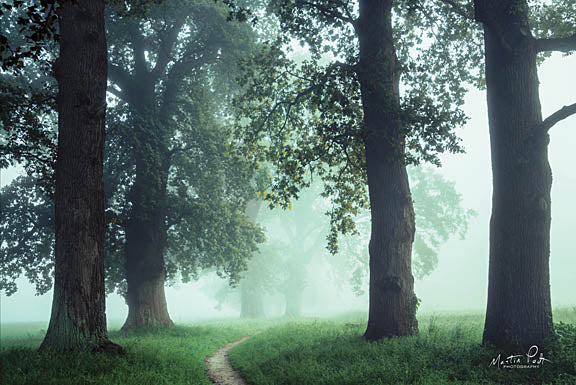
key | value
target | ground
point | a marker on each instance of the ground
(307, 351)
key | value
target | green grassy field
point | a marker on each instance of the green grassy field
(309, 351)
(168, 357)
(447, 352)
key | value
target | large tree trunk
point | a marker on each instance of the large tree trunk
(519, 312)
(78, 319)
(392, 309)
(146, 235)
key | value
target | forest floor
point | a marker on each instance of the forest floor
(447, 351)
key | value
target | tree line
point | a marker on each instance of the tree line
(191, 139)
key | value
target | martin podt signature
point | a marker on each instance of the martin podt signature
(530, 360)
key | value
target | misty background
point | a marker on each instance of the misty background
(459, 283)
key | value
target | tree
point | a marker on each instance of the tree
(208, 182)
(519, 312)
(78, 320)
(347, 122)
(295, 241)
(187, 43)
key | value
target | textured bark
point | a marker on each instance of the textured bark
(78, 319)
(146, 235)
(146, 228)
(392, 309)
(519, 311)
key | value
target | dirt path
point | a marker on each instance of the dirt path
(220, 372)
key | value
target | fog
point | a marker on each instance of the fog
(459, 283)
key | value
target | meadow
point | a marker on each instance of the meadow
(447, 351)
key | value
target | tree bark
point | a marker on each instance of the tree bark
(78, 319)
(146, 235)
(519, 312)
(392, 309)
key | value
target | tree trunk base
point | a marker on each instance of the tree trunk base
(147, 307)
(109, 347)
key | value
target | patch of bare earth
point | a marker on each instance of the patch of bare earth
(220, 372)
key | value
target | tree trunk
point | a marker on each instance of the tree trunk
(519, 312)
(294, 303)
(78, 319)
(296, 268)
(146, 235)
(251, 301)
(392, 309)
(251, 304)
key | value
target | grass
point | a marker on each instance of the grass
(331, 352)
(447, 352)
(161, 357)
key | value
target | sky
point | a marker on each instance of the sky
(460, 282)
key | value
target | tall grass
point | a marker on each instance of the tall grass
(447, 351)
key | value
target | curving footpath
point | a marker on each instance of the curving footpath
(220, 372)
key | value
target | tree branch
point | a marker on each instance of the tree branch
(119, 94)
(169, 38)
(120, 77)
(460, 9)
(557, 116)
(329, 12)
(140, 66)
(561, 44)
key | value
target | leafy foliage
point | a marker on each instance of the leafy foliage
(37, 25)
(27, 127)
(184, 121)
(294, 238)
(27, 235)
(305, 117)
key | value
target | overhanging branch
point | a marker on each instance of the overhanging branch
(560, 44)
(557, 116)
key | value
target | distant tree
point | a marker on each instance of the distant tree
(439, 215)
(162, 67)
(296, 238)
(339, 115)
